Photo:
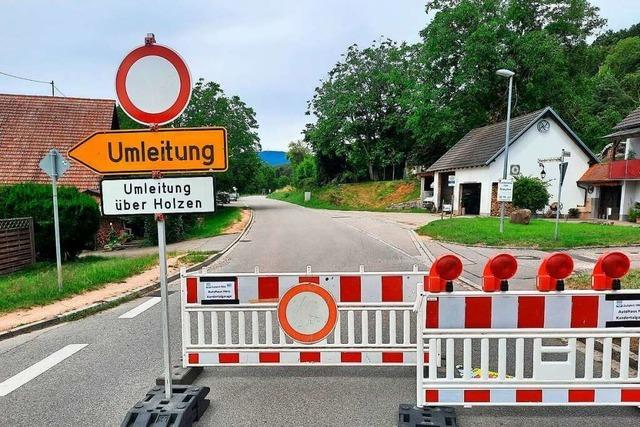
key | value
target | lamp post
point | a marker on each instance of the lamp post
(507, 74)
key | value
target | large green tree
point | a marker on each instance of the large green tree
(210, 106)
(543, 41)
(360, 119)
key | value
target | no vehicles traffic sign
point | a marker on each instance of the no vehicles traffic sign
(153, 84)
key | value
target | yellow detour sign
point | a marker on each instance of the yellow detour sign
(144, 151)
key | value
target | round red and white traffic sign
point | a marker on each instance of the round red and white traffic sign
(153, 84)
(307, 313)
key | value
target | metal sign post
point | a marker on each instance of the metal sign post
(54, 165)
(164, 297)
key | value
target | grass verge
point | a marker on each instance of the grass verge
(214, 224)
(37, 285)
(538, 234)
(195, 257)
(583, 280)
(366, 196)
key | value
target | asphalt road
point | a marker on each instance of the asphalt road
(96, 385)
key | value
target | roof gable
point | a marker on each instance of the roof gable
(31, 125)
(483, 145)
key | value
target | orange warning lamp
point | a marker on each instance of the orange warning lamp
(497, 271)
(554, 269)
(608, 271)
(445, 269)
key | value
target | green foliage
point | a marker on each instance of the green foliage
(305, 174)
(634, 212)
(283, 181)
(297, 151)
(79, 216)
(360, 121)
(537, 234)
(215, 223)
(387, 104)
(530, 193)
(210, 106)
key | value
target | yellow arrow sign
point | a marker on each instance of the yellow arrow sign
(144, 151)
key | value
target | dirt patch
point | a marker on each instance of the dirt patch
(239, 226)
(112, 290)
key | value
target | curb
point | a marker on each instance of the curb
(117, 300)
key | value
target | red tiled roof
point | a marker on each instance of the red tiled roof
(598, 173)
(31, 125)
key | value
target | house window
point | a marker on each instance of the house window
(427, 186)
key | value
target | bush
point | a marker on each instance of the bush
(305, 174)
(530, 193)
(634, 212)
(574, 213)
(174, 228)
(79, 216)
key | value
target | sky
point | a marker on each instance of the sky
(272, 54)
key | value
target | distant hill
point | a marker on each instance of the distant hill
(274, 158)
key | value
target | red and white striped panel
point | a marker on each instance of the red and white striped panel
(356, 287)
(547, 396)
(298, 357)
(571, 309)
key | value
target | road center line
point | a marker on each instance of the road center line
(140, 308)
(36, 369)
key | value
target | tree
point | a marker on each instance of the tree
(305, 175)
(359, 116)
(296, 152)
(544, 42)
(530, 193)
(209, 106)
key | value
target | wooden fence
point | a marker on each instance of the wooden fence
(17, 246)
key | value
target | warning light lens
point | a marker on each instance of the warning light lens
(503, 266)
(449, 267)
(615, 264)
(559, 266)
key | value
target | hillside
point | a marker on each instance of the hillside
(274, 158)
(369, 196)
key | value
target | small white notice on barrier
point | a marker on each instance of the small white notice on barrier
(626, 310)
(224, 290)
(164, 195)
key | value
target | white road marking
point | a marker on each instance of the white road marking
(141, 308)
(36, 369)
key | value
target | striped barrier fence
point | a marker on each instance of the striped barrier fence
(337, 319)
(544, 347)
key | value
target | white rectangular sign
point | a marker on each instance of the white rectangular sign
(626, 310)
(223, 290)
(505, 190)
(165, 195)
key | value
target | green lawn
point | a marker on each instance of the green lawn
(37, 285)
(215, 223)
(195, 257)
(583, 281)
(365, 196)
(538, 234)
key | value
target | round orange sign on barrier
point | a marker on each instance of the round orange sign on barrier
(307, 313)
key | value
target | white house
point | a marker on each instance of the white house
(614, 185)
(466, 177)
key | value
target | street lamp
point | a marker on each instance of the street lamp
(506, 74)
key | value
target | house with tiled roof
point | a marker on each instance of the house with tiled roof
(465, 179)
(32, 125)
(614, 185)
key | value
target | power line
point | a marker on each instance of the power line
(53, 86)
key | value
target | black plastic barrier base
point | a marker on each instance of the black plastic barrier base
(436, 416)
(187, 404)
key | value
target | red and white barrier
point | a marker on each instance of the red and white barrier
(265, 319)
(532, 348)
